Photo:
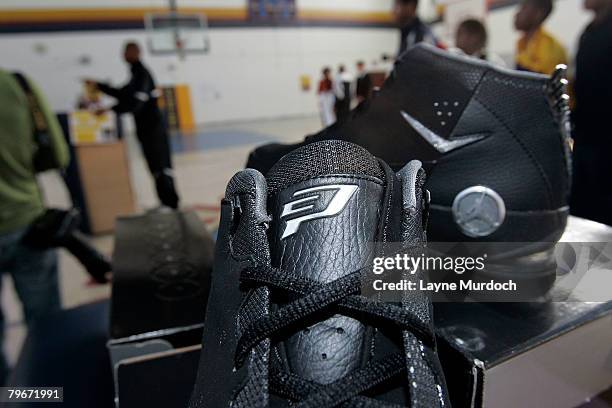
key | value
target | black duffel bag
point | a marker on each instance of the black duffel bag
(57, 228)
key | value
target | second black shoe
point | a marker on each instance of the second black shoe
(494, 143)
(286, 323)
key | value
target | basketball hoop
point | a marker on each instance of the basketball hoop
(177, 33)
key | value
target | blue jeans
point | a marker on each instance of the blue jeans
(35, 277)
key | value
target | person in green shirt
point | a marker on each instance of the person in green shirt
(34, 272)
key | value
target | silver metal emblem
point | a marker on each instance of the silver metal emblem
(479, 211)
(340, 199)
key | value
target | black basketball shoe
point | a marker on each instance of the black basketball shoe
(286, 323)
(493, 142)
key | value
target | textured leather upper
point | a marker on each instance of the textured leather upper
(324, 250)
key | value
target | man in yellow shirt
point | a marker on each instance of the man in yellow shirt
(537, 50)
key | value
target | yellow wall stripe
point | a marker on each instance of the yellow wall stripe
(109, 14)
(341, 15)
(20, 16)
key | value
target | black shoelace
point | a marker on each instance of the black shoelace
(310, 298)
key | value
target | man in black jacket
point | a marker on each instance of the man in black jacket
(344, 94)
(364, 83)
(139, 97)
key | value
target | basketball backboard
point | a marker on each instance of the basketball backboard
(177, 33)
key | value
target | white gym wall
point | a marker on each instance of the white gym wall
(250, 72)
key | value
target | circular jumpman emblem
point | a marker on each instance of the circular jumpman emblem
(478, 211)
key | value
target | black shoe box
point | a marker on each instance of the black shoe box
(161, 278)
(162, 263)
(540, 354)
(158, 380)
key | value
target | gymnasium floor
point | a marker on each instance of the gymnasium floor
(204, 162)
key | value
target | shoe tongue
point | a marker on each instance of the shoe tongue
(317, 198)
(326, 202)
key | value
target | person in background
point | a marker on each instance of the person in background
(326, 98)
(413, 30)
(537, 50)
(343, 93)
(363, 89)
(139, 97)
(34, 272)
(471, 39)
(592, 157)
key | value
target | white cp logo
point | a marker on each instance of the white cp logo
(338, 202)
